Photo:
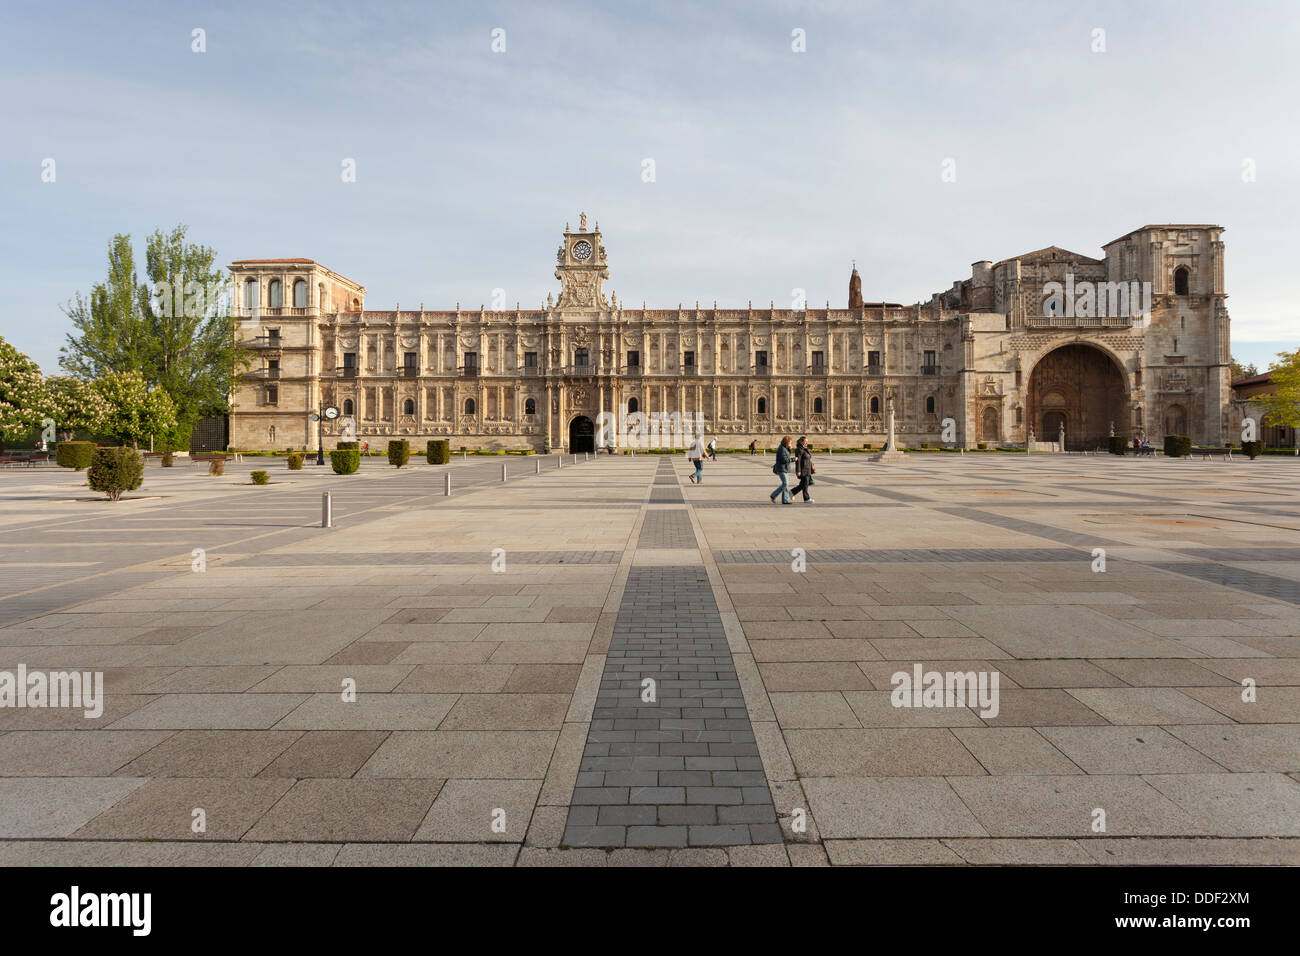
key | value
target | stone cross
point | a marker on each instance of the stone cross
(889, 408)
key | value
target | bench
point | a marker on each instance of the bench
(1207, 453)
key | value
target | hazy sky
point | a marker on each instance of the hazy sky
(773, 168)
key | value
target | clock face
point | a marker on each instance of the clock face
(331, 413)
(581, 249)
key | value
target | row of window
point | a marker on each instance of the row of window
(633, 405)
(275, 294)
(582, 357)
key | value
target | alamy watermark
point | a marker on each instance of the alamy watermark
(82, 690)
(1087, 299)
(947, 689)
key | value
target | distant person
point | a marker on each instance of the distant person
(753, 447)
(713, 449)
(781, 469)
(803, 468)
(696, 455)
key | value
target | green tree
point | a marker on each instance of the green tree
(175, 330)
(1283, 406)
(1240, 371)
(135, 411)
(76, 405)
(187, 313)
(24, 402)
(111, 335)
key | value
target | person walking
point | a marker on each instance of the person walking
(713, 449)
(803, 468)
(781, 469)
(696, 455)
(753, 447)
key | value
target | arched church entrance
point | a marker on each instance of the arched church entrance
(1081, 388)
(582, 435)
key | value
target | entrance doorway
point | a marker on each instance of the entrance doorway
(582, 435)
(1082, 388)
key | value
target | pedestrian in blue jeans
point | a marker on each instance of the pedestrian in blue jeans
(780, 469)
(696, 455)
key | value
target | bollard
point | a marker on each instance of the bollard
(503, 472)
(539, 466)
(448, 492)
(326, 510)
(575, 459)
(559, 461)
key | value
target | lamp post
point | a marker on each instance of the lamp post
(328, 412)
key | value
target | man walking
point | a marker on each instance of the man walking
(713, 449)
(696, 455)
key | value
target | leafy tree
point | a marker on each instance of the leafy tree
(24, 403)
(76, 406)
(1283, 406)
(111, 332)
(176, 330)
(187, 313)
(1240, 371)
(134, 411)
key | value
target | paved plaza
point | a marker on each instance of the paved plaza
(603, 664)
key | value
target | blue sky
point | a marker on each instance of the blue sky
(774, 169)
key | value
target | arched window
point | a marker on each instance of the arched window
(274, 298)
(469, 406)
(929, 405)
(633, 406)
(347, 406)
(530, 406)
(250, 294)
(875, 405)
(1180, 280)
(299, 294)
(762, 406)
(408, 407)
(817, 406)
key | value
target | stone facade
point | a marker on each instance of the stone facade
(998, 354)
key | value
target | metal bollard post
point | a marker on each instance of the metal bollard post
(326, 510)
(539, 466)
(559, 461)
(448, 492)
(503, 472)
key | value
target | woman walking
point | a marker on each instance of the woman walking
(803, 467)
(780, 469)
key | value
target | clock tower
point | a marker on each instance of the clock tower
(582, 268)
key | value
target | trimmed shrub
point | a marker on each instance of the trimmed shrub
(261, 477)
(1252, 448)
(1118, 444)
(74, 454)
(1177, 446)
(438, 451)
(399, 452)
(168, 461)
(115, 470)
(295, 461)
(217, 466)
(345, 461)
(344, 445)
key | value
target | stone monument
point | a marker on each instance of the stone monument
(891, 450)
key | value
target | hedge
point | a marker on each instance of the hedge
(1118, 445)
(260, 477)
(1252, 448)
(399, 452)
(438, 451)
(115, 470)
(345, 461)
(74, 454)
(344, 445)
(1177, 446)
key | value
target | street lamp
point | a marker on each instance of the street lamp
(330, 413)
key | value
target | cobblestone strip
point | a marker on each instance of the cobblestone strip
(666, 528)
(684, 768)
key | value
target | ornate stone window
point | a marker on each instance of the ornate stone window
(633, 406)
(530, 406)
(299, 294)
(469, 406)
(762, 405)
(347, 406)
(408, 407)
(817, 406)
(275, 297)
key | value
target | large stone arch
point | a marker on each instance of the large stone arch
(1084, 387)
